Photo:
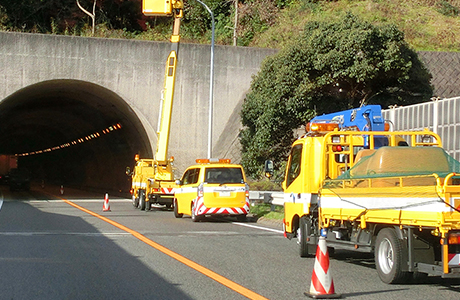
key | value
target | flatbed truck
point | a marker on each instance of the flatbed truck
(394, 194)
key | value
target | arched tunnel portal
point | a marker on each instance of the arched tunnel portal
(74, 133)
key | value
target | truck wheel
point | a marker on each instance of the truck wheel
(142, 199)
(135, 201)
(389, 257)
(418, 277)
(303, 232)
(195, 218)
(176, 210)
(241, 218)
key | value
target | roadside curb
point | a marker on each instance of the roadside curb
(278, 224)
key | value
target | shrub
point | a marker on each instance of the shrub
(332, 66)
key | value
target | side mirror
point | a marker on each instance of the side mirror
(178, 182)
(128, 171)
(268, 170)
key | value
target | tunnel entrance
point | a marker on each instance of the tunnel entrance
(72, 132)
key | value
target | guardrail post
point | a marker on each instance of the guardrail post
(269, 200)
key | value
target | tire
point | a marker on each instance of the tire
(135, 201)
(142, 199)
(176, 209)
(195, 218)
(389, 257)
(418, 277)
(241, 218)
(303, 232)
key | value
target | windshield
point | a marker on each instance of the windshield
(294, 164)
(224, 175)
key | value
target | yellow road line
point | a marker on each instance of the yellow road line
(213, 275)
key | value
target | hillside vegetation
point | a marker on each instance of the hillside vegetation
(428, 25)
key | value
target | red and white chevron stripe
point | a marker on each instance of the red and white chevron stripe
(201, 209)
(167, 190)
(321, 279)
(454, 259)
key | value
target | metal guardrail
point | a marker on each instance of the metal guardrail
(269, 197)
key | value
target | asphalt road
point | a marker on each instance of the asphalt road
(50, 249)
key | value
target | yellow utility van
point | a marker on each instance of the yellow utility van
(212, 187)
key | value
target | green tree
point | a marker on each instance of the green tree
(44, 16)
(34, 15)
(331, 67)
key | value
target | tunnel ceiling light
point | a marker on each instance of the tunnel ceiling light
(74, 142)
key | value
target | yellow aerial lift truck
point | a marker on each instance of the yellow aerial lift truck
(153, 179)
(394, 194)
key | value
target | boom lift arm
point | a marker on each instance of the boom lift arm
(164, 121)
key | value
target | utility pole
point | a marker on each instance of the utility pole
(211, 81)
(235, 24)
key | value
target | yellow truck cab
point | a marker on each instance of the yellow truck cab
(151, 183)
(212, 187)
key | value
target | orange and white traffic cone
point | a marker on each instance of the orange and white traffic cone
(62, 190)
(322, 285)
(106, 206)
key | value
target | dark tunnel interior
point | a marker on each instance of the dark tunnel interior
(73, 133)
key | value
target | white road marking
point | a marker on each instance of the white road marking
(258, 227)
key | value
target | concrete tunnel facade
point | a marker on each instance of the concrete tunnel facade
(72, 132)
(59, 89)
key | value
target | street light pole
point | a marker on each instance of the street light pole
(211, 83)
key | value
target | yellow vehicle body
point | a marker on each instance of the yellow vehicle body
(152, 183)
(420, 200)
(212, 189)
(377, 203)
(157, 8)
(317, 161)
(143, 170)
